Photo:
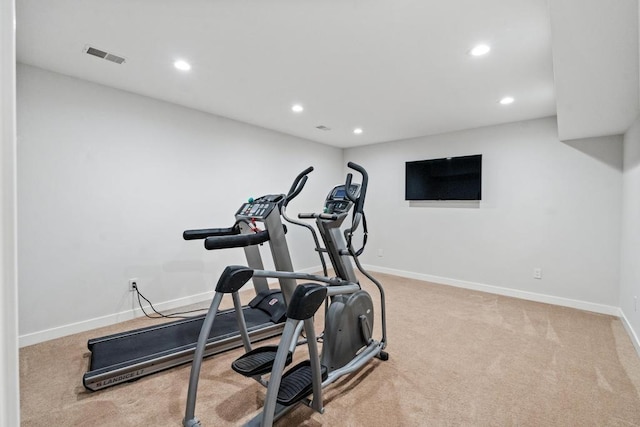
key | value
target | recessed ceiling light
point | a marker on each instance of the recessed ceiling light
(357, 131)
(479, 50)
(182, 65)
(297, 108)
(507, 100)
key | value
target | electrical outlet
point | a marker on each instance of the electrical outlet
(133, 284)
(380, 252)
(537, 273)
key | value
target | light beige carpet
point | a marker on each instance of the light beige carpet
(457, 358)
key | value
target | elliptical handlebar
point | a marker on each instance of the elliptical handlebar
(359, 202)
(298, 185)
(347, 185)
(358, 208)
(296, 188)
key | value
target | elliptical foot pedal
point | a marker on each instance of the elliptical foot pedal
(258, 361)
(297, 383)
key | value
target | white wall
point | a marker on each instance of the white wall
(107, 182)
(546, 204)
(630, 240)
(9, 383)
(630, 267)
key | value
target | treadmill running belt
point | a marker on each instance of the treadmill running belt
(169, 337)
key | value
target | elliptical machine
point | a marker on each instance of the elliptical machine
(347, 340)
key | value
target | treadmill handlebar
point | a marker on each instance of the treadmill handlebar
(210, 232)
(236, 241)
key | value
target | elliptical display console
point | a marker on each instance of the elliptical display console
(338, 202)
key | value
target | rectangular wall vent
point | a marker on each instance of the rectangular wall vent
(104, 55)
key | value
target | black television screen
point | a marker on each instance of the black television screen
(452, 178)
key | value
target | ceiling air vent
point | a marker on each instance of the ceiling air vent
(104, 55)
(114, 58)
(323, 127)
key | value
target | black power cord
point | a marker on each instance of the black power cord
(160, 315)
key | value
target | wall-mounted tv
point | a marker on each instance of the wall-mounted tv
(451, 178)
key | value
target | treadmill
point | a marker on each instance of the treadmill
(128, 356)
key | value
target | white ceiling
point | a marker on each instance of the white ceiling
(396, 68)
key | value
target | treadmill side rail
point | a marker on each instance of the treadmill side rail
(99, 379)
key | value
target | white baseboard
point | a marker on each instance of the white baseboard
(630, 331)
(111, 319)
(531, 296)
(98, 322)
(515, 293)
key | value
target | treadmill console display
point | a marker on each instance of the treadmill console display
(261, 207)
(337, 201)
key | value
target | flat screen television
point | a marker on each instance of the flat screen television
(451, 178)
